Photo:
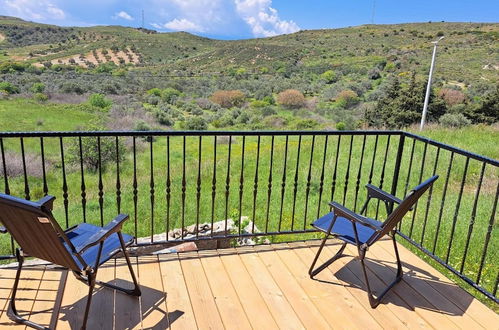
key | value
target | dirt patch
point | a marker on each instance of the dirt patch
(2, 37)
(100, 56)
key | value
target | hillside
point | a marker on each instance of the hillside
(469, 52)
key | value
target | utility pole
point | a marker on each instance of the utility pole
(374, 10)
(142, 18)
(428, 87)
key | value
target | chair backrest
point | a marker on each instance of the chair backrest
(396, 216)
(35, 230)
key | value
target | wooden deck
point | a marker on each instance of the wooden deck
(264, 287)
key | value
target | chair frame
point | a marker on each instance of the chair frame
(389, 200)
(89, 272)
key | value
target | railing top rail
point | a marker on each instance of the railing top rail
(456, 150)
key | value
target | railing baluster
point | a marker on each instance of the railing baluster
(347, 174)
(269, 186)
(409, 170)
(487, 236)
(321, 183)
(25, 174)
(373, 163)
(359, 173)
(396, 170)
(333, 184)
(430, 193)
(168, 187)
(383, 171)
(473, 217)
(283, 182)
(82, 186)
(64, 183)
(134, 184)
(118, 181)
(198, 188)
(4, 166)
(444, 194)
(227, 183)
(456, 213)
(44, 173)
(214, 183)
(101, 186)
(295, 187)
(151, 184)
(415, 207)
(255, 185)
(183, 189)
(309, 178)
(496, 285)
(241, 185)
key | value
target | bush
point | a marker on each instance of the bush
(341, 126)
(454, 120)
(329, 76)
(451, 96)
(164, 118)
(346, 98)
(40, 97)
(196, 123)
(154, 91)
(291, 98)
(37, 87)
(228, 99)
(306, 124)
(170, 94)
(100, 101)
(8, 88)
(90, 151)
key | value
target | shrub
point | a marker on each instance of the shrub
(72, 87)
(341, 126)
(142, 126)
(170, 94)
(346, 98)
(40, 97)
(306, 124)
(454, 120)
(228, 99)
(90, 151)
(291, 98)
(164, 118)
(196, 123)
(154, 91)
(451, 96)
(37, 87)
(259, 104)
(100, 101)
(329, 76)
(8, 88)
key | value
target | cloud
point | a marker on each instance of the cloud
(40, 10)
(183, 25)
(124, 15)
(263, 20)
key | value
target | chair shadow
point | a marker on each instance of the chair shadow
(418, 288)
(114, 309)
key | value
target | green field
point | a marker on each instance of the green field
(343, 179)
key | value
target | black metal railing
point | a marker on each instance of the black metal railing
(281, 181)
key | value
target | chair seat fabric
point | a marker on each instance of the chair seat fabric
(81, 234)
(343, 228)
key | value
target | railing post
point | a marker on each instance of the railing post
(396, 170)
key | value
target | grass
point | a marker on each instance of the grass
(303, 165)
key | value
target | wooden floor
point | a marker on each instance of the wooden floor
(265, 287)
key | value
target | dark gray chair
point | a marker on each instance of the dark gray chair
(361, 231)
(82, 248)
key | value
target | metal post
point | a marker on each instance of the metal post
(428, 88)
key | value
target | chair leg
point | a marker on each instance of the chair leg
(374, 301)
(312, 272)
(91, 284)
(12, 311)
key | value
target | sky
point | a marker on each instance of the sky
(239, 19)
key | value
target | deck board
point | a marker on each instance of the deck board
(263, 287)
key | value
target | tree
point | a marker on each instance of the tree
(228, 99)
(100, 101)
(291, 98)
(488, 110)
(90, 151)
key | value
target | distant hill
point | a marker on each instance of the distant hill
(469, 52)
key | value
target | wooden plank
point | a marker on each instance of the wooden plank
(180, 313)
(392, 305)
(152, 301)
(310, 317)
(203, 304)
(355, 285)
(73, 304)
(419, 281)
(251, 299)
(102, 306)
(127, 314)
(49, 297)
(224, 293)
(466, 302)
(7, 276)
(281, 309)
(413, 299)
(26, 295)
(352, 307)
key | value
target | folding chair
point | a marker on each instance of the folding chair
(82, 248)
(361, 231)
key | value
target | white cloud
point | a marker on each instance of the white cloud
(40, 10)
(124, 15)
(263, 20)
(183, 25)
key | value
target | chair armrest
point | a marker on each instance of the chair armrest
(375, 192)
(47, 202)
(3, 230)
(344, 212)
(106, 231)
